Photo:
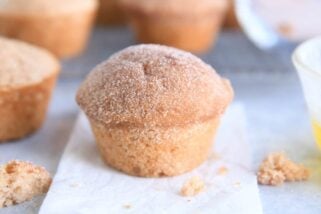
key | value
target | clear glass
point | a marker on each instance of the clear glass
(307, 60)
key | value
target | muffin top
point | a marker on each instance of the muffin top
(175, 7)
(153, 85)
(39, 7)
(23, 64)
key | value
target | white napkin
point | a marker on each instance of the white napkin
(83, 184)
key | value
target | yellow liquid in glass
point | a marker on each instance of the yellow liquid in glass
(317, 132)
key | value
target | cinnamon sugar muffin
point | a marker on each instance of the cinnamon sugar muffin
(110, 13)
(154, 109)
(187, 24)
(27, 78)
(61, 26)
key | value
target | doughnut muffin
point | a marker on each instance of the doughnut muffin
(61, 26)
(191, 25)
(110, 13)
(27, 78)
(154, 110)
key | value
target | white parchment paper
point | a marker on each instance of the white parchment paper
(83, 184)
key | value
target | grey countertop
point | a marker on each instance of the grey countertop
(266, 83)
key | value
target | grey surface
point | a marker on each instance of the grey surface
(265, 82)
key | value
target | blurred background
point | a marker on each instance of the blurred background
(247, 41)
(254, 35)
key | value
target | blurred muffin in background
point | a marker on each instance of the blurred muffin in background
(61, 26)
(231, 20)
(191, 25)
(27, 77)
(110, 13)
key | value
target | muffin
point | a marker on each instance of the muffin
(154, 110)
(60, 26)
(27, 78)
(191, 25)
(110, 13)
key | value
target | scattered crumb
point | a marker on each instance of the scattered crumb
(237, 184)
(285, 29)
(277, 168)
(127, 206)
(21, 181)
(193, 186)
(222, 170)
(75, 185)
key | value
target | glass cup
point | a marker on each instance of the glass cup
(307, 60)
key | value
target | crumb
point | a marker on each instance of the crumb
(277, 168)
(285, 29)
(237, 184)
(75, 185)
(127, 206)
(192, 186)
(222, 170)
(21, 181)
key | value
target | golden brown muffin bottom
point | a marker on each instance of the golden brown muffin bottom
(65, 35)
(23, 110)
(191, 34)
(155, 152)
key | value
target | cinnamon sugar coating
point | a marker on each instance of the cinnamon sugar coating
(153, 85)
(23, 64)
(39, 7)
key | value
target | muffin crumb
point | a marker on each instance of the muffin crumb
(222, 170)
(193, 186)
(277, 168)
(285, 29)
(127, 206)
(237, 184)
(21, 181)
(75, 185)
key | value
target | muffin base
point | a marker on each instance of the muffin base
(192, 34)
(109, 13)
(23, 110)
(65, 35)
(155, 152)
